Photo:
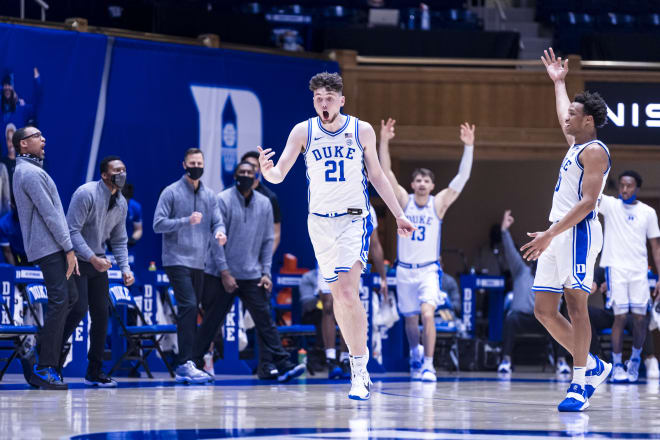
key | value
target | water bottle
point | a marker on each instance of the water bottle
(302, 356)
(229, 141)
(152, 266)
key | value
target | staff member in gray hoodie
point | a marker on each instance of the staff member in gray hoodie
(97, 213)
(188, 217)
(48, 244)
(242, 268)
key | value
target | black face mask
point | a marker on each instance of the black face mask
(119, 180)
(195, 172)
(244, 183)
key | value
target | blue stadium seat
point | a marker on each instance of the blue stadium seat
(136, 335)
(16, 333)
(36, 294)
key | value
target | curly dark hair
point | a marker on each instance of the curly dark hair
(594, 105)
(331, 81)
(634, 174)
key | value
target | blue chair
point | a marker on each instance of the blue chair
(17, 333)
(137, 335)
(36, 294)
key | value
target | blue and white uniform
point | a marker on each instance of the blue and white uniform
(417, 274)
(339, 222)
(569, 260)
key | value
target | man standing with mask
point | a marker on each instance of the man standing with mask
(187, 215)
(97, 213)
(48, 244)
(242, 268)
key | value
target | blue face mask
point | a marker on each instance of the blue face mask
(630, 200)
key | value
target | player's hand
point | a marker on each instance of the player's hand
(71, 264)
(557, 70)
(387, 129)
(384, 291)
(467, 133)
(403, 226)
(507, 220)
(195, 218)
(228, 282)
(129, 279)
(221, 237)
(100, 264)
(265, 161)
(533, 250)
(266, 283)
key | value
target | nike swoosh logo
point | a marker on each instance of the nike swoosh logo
(316, 139)
(357, 219)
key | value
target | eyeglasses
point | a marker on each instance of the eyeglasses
(34, 135)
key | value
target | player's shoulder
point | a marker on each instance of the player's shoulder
(365, 131)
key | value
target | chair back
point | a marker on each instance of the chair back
(37, 294)
(121, 296)
(170, 294)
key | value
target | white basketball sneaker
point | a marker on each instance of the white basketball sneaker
(619, 374)
(415, 370)
(360, 384)
(652, 370)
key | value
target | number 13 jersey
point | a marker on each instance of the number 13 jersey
(424, 244)
(336, 174)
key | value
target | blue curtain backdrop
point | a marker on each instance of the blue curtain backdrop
(161, 100)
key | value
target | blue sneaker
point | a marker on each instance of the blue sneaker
(47, 379)
(576, 399)
(596, 376)
(334, 370)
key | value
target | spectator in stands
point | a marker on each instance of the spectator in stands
(10, 159)
(11, 239)
(13, 108)
(97, 213)
(520, 317)
(242, 268)
(133, 217)
(449, 285)
(312, 314)
(47, 243)
(490, 260)
(628, 225)
(188, 217)
(253, 158)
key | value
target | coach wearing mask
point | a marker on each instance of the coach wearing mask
(48, 244)
(97, 213)
(187, 215)
(242, 268)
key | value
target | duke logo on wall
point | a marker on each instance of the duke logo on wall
(229, 126)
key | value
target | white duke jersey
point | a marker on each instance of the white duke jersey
(336, 171)
(568, 191)
(424, 244)
(626, 229)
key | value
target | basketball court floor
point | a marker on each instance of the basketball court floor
(465, 406)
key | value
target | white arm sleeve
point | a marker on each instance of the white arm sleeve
(458, 182)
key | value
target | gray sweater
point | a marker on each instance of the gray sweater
(40, 211)
(91, 224)
(185, 244)
(248, 253)
(523, 279)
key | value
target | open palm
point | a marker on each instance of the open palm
(556, 69)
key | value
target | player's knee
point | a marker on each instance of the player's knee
(427, 315)
(544, 314)
(345, 295)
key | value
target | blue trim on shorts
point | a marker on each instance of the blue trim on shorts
(547, 289)
(330, 280)
(581, 245)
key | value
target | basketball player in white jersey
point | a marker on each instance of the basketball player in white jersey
(339, 152)
(567, 250)
(417, 272)
(628, 223)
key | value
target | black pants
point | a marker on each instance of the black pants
(518, 322)
(62, 295)
(187, 284)
(600, 319)
(255, 299)
(93, 296)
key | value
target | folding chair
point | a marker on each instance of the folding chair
(136, 335)
(36, 294)
(17, 333)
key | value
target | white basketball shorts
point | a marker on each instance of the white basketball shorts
(628, 290)
(417, 286)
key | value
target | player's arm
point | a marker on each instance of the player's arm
(557, 72)
(653, 234)
(595, 162)
(447, 196)
(386, 134)
(294, 146)
(367, 138)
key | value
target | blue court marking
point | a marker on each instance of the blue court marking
(153, 383)
(343, 433)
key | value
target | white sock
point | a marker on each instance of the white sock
(360, 361)
(578, 375)
(343, 356)
(428, 362)
(636, 353)
(331, 353)
(616, 358)
(591, 361)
